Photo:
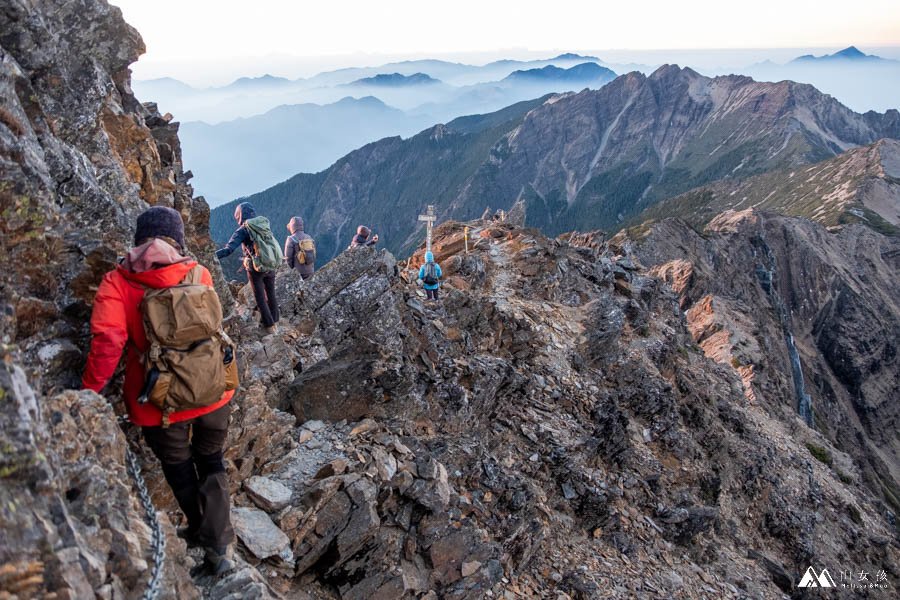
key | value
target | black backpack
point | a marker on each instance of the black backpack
(430, 276)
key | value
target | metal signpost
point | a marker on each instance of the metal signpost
(429, 219)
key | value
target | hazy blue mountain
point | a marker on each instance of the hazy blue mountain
(264, 81)
(861, 81)
(238, 157)
(850, 54)
(572, 56)
(250, 96)
(584, 72)
(396, 80)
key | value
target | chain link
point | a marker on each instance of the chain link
(158, 538)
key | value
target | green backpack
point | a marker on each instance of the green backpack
(267, 254)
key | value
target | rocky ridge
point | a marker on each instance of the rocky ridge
(586, 438)
(861, 185)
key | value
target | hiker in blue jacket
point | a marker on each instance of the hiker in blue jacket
(430, 274)
(262, 283)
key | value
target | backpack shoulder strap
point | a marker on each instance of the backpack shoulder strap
(194, 276)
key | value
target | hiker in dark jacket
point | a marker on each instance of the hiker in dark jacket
(190, 447)
(297, 247)
(263, 284)
(425, 271)
(361, 239)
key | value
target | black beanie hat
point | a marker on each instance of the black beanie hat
(160, 221)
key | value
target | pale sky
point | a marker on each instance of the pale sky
(316, 33)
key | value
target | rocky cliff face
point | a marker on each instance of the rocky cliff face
(578, 161)
(80, 157)
(752, 280)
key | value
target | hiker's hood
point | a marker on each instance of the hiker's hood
(155, 264)
(243, 212)
(295, 225)
(429, 257)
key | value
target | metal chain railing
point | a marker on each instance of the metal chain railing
(158, 538)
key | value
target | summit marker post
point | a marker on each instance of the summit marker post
(429, 218)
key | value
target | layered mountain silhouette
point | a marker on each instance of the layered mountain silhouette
(851, 53)
(576, 161)
(396, 80)
(245, 155)
(860, 81)
(584, 72)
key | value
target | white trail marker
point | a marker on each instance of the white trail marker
(429, 218)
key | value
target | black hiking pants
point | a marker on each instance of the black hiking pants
(191, 456)
(432, 294)
(263, 285)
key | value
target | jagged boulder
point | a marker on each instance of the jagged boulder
(70, 521)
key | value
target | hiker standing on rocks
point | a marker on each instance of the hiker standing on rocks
(430, 275)
(262, 257)
(361, 239)
(300, 249)
(134, 308)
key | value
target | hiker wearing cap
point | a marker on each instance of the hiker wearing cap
(300, 249)
(262, 257)
(133, 305)
(361, 239)
(430, 275)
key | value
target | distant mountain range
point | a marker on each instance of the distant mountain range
(250, 96)
(582, 72)
(238, 157)
(850, 54)
(576, 161)
(396, 80)
(860, 81)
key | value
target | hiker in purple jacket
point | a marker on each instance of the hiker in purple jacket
(300, 249)
(361, 239)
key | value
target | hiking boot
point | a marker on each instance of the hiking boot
(269, 330)
(217, 560)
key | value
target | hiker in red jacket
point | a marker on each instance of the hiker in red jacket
(190, 448)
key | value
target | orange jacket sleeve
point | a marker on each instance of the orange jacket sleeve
(109, 333)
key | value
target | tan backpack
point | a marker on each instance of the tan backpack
(191, 360)
(303, 247)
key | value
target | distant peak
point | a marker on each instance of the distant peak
(672, 71)
(573, 56)
(396, 79)
(851, 52)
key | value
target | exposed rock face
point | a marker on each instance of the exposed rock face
(839, 293)
(861, 185)
(80, 158)
(577, 161)
(70, 521)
